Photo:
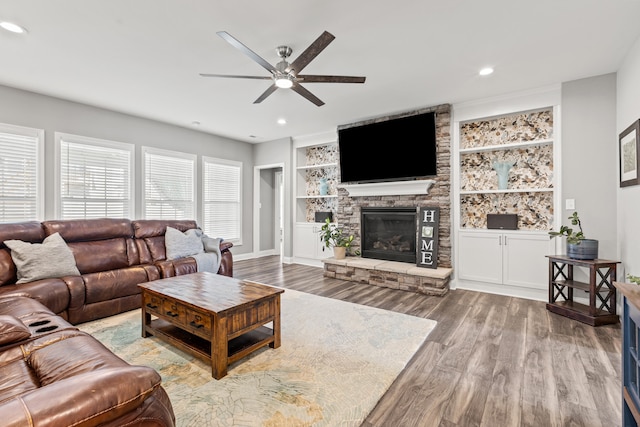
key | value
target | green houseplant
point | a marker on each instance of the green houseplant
(633, 279)
(333, 236)
(578, 246)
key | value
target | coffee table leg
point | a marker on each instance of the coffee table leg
(219, 347)
(276, 323)
(146, 320)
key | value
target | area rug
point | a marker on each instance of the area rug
(335, 362)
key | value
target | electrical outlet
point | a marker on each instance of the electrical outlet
(570, 204)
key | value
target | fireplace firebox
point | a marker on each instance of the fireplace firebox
(389, 233)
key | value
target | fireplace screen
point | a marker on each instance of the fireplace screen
(389, 234)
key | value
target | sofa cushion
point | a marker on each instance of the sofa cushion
(88, 230)
(12, 330)
(114, 254)
(34, 261)
(26, 231)
(180, 245)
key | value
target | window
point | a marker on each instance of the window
(169, 183)
(95, 178)
(222, 190)
(21, 174)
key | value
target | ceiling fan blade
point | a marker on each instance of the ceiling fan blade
(309, 78)
(237, 77)
(242, 48)
(311, 52)
(304, 92)
(266, 93)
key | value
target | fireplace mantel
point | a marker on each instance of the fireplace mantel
(396, 188)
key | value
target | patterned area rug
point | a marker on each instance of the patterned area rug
(335, 362)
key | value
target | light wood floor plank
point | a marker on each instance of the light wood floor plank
(492, 360)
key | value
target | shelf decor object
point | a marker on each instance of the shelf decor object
(629, 161)
(502, 170)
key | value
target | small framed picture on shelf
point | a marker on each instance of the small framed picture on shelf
(629, 147)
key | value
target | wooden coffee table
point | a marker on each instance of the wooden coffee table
(216, 318)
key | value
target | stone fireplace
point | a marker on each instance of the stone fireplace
(436, 192)
(389, 233)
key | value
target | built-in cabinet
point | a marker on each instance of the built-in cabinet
(521, 146)
(316, 180)
(308, 244)
(513, 258)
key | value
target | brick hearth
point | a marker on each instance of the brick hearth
(389, 274)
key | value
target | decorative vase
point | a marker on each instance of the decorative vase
(586, 249)
(339, 252)
(324, 187)
(502, 170)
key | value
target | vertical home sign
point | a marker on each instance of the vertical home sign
(428, 237)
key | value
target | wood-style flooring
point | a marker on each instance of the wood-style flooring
(491, 360)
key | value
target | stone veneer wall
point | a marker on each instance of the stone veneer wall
(348, 213)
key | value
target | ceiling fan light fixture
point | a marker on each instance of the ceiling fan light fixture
(284, 82)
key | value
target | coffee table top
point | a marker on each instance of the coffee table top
(210, 291)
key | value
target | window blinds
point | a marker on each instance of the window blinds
(95, 180)
(168, 186)
(221, 199)
(19, 176)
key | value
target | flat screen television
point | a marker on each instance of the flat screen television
(397, 149)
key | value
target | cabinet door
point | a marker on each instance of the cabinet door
(307, 242)
(525, 262)
(480, 256)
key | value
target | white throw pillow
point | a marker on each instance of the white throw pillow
(180, 245)
(35, 261)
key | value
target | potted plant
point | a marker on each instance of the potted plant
(578, 246)
(333, 236)
(633, 279)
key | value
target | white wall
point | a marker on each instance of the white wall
(589, 158)
(23, 108)
(628, 198)
(280, 152)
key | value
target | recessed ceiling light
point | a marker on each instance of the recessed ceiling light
(14, 28)
(486, 71)
(282, 122)
(195, 123)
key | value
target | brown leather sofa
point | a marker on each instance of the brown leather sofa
(52, 374)
(113, 257)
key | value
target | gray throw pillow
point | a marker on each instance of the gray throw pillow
(35, 261)
(180, 245)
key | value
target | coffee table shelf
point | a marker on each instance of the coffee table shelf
(238, 347)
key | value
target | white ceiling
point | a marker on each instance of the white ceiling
(143, 57)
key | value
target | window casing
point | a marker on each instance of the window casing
(222, 199)
(169, 184)
(21, 173)
(95, 178)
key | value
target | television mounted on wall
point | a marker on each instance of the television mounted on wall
(402, 148)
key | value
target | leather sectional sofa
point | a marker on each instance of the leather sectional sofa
(52, 374)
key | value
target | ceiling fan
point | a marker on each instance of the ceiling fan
(287, 75)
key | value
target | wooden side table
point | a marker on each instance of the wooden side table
(602, 294)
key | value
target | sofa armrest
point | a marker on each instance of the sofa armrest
(87, 399)
(225, 246)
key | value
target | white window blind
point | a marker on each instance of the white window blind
(21, 183)
(169, 182)
(95, 178)
(222, 190)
